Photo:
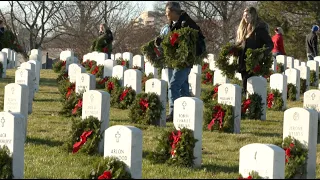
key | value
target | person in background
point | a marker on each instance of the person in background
(312, 43)
(252, 33)
(179, 85)
(1, 33)
(108, 38)
(277, 39)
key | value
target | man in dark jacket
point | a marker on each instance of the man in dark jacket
(312, 43)
(1, 33)
(179, 85)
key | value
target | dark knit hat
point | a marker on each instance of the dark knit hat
(315, 28)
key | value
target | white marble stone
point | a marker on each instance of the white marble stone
(23, 77)
(219, 78)
(118, 72)
(138, 60)
(108, 67)
(74, 71)
(314, 66)
(279, 82)
(133, 78)
(293, 77)
(311, 99)
(258, 85)
(85, 82)
(3, 60)
(305, 74)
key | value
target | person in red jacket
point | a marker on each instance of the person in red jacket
(277, 39)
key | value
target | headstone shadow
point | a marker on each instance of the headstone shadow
(47, 142)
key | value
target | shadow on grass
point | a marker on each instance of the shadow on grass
(47, 100)
(48, 82)
(220, 168)
(38, 141)
(266, 134)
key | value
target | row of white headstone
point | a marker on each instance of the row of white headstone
(18, 100)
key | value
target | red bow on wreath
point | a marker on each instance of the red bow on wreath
(124, 94)
(205, 66)
(95, 71)
(64, 63)
(106, 175)
(83, 139)
(174, 38)
(208, 77)
(257, 68)
(219, 115)
(245, 105)
(143, 104)
(110, 86)
(175, 139)
(156, 51)
(105, 50)
(65, 75)
(70, 90)
(215, 91)
(90, 64)
(102, 81)
(123, 62)
(249, 177)
(270, 100)
(78, 105)
(288, 151)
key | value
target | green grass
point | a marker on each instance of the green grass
(45, 156)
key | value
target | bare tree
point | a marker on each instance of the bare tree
(34, 17)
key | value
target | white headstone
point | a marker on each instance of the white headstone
(8, 52)
(32, 68)
(112, 57)
(12, 135)
(279, 81)
(274, 65)
(150, 69)
(196, 69)
(212, 65)
(290, 62)
(230, 94)
(118, 71)
(23, 76)
(293, 77)
(16, 101)
(138, 60)
(108, 67)
(117, 56)
(258, 85)
(282, 59)
(125, 143)
(128, 56)
(311, 100)
(239, 76)
(96, 103)
(219, 78)
(159, 87)
(296, 63)
(67, 56)
(74, 71)
(267, 160)
(195, 84)
(303, 63)
(85, 82)
(165, 75)
(302, 124)
(133, 77)
(3, 60)
(101, 57)
(37, 66)
(38, 53)
(305, 74)
(188, 113)
(314, 66)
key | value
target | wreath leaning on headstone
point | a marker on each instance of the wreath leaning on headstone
(72, 106)
(101, 82)
(303, 86)
(274, 100)
(146, 109)
(153, 54)
(296, 155)
(179, 48)
(174, 147)
(209, 94)
(123, 98)
(84, 135)
(258, 62)
(207, 76)
(291, 92)
(219, 117)
(6, 171)
(123, 62)
(112, 85)
(313, 77)
(88, 64)
(97, 70)
(252, 108)
(145, 78)
(227, 67)
(280, 68)
(108, 168)
(252, 175)
(58, 66)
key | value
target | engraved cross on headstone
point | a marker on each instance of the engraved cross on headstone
(152, 84)
(313, 96)
(2, 121)
(12, 90)
(117, 136)
(184, 104)
(91, 97)
(21, 73)
(82, 79)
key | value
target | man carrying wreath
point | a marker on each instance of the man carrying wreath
(179, 85)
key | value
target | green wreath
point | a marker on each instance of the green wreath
(108, 168)
(258, 62)
(205, 66)
(252, 175)
(70, 106)
(88, 64)
(145, 78)
(123, 62)
(9, 40)
(77, 132)
(207, 76)
(97, 71)
(178, 153)
(154, 56)
(6, 171)
(280, 68)
(123, 97)
(274, 100)
(146, 109)
(237, 81)
(215, 111)
(252, 108)
(296, 157)
(291, 92)
(101, 82)
(209, 94)
(303, 86)
(180, 48)
(222, 63)
(62, 76)
(58, 66)
(313, 78)
(99, 43)
(112, 85)
(1, 69)
(65, 88)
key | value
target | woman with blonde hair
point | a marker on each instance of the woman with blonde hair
(277, 39)
(252, 33)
